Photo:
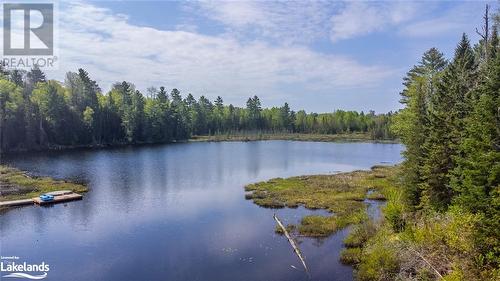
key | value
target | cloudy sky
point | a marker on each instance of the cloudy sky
(319, 55)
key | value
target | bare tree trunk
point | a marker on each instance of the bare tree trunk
(485, 31)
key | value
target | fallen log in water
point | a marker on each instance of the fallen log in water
(292, 243)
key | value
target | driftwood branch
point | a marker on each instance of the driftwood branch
(292, 243)
(427, 262)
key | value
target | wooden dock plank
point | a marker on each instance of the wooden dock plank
(59, 199)
(16, 203)
(59, 192)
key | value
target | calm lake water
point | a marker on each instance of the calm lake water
(178, 212)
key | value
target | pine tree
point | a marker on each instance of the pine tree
(162, 96)
(478, 170)
(431, 64)
(476, 177)
(412, 123)
(36, 76)
(447, 110)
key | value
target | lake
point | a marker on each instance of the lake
(178, 212)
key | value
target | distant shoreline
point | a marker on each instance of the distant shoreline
(243, 137)
(353, 137)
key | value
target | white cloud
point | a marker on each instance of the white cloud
(361, 18)
(234, 13)
(460, 18)
(112, 49)
(290, 22)
(284, 21)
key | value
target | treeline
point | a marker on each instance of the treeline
(36, 113)
(451, 129)
(446, 225)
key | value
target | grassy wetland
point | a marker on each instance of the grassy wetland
(256, 136)
(403, 245)
(16, 184)
(342, 195)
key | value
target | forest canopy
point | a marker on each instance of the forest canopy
(37, 113)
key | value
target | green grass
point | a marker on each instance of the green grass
(15, 184)
(341, 194)
(360, 233)
(351, 256)
(255, 136)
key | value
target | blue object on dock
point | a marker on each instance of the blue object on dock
(46, 197)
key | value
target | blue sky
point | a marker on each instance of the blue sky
(319, 56)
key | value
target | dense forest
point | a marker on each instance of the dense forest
(445, 224)
(36, 113)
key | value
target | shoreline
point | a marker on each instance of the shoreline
(17, 185)
(354, 137)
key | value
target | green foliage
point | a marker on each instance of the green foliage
(40, 114)
(445, 220)
(9, 94)
(379, 260)
(360, 233)
(88, 116)
(450, 105)
(351, 256)
(394, 211)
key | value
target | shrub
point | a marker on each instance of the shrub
(360, 233)
(351, 256)
(379, 260)
(394, 210)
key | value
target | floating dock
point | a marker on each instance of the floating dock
(59, 197)
(16, 203)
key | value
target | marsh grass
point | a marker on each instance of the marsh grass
(341, 194)
(256, 136)
(376, 195)
(356, 240)
(15, 184)
(360, 233)
(351, 256)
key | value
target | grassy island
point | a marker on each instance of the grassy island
(341, 194)
(15, 184)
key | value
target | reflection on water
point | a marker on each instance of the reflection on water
(177, 212)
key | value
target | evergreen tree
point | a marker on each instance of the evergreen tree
(412, 123)
(476, 176)
(254, 112)
(448, 109)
